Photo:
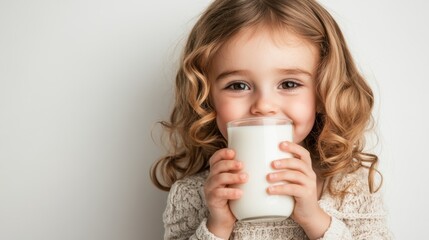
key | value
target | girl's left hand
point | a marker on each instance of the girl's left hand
(300, 181)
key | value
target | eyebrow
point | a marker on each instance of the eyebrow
(229, 73)
(294, 71)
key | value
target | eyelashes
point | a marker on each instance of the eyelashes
(288, 84)
(238, 86)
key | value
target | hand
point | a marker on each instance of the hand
(300, 181)
(224, 171)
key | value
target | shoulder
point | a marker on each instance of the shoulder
(186, 200)
(358, 199)
(188, 185)
(355, 182)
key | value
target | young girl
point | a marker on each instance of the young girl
(287, 58)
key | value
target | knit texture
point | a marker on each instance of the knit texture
(359, 215)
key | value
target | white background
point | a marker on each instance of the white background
(82, 84)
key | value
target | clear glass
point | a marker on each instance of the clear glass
(256, 143)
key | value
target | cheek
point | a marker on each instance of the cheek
(221, 124)
(224, 114)
(303, 121)
(227, 111)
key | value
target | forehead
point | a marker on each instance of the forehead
(261, 46)
(278, 35)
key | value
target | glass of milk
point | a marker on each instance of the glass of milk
(256, 143)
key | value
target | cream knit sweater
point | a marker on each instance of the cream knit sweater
(360, 215)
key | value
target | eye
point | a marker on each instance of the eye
(289, 84)
(238, 86)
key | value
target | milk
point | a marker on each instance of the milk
(257, 147)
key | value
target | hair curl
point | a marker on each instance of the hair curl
(336, 141)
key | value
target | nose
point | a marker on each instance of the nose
(264, 105)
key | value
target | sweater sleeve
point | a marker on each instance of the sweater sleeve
(360, 215)
(185, 214)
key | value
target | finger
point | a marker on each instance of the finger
(225, 166)
(294, 190)
(221, 194)
(290, 176)
(290, 164)
(222, 154)
(294, 164)
(297, 150)
(223, 179)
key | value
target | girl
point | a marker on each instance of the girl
(250, 58)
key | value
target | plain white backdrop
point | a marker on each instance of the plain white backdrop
(82, 84)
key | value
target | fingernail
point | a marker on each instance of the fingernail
(272, 176)
(238, 193)
(276, 163)
(243, 176)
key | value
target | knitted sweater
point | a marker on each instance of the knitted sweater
(359, 215)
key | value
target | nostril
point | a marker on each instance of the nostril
(265, 103)
(264, 108)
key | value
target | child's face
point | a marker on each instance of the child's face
(258, 73)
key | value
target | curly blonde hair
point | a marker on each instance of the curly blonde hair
(336, 141)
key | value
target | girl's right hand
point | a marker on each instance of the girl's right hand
(224, 171)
